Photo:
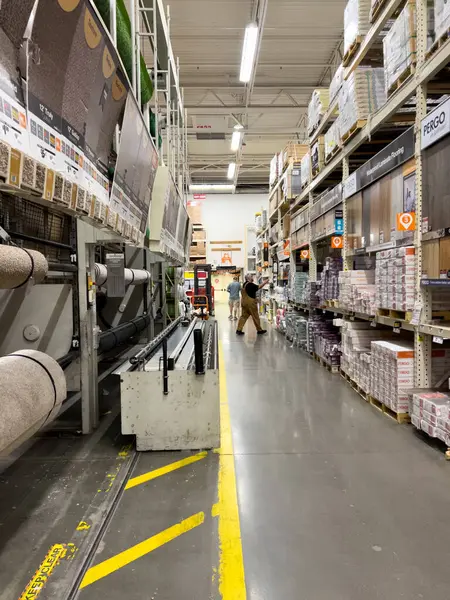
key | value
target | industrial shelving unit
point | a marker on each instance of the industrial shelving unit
(417, 86)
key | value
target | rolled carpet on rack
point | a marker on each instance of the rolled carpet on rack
(32, 388)
(132, 276)
(18, 266)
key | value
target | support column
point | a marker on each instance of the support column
(88, 324)
(422, 343)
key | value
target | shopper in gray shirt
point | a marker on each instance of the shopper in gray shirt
(234, 289)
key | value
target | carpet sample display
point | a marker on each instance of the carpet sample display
(32, 388)
(14, 17)
(124, 45)
(18, 266)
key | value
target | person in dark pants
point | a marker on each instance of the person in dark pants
(249, 305)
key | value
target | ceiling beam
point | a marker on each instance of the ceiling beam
(239, 109)
(263, 65)
(219, 85)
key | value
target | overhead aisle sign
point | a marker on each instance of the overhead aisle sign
(436, 125)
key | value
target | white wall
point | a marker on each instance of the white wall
(225, 217)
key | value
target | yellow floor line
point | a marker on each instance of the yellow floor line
(140, 479)
(231, 560)
(107, 567)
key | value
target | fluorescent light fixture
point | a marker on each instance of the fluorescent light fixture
(248, 52)
(235, 140)
(231, 170)
(212, 187)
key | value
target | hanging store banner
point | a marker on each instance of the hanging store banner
(436, 125)
(13, 120)
(304, 254)
(135, 171)
(391, 157)
(76, 95)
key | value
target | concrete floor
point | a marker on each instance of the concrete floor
(337, 501)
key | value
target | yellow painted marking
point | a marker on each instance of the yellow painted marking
(83, 526)
(164, 470)
(111, 565)
(46, 568)
(231, 561)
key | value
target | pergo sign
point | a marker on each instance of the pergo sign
(436, 125)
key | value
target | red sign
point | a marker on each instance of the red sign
(199, 196)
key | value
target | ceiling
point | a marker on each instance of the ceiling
(299, 49)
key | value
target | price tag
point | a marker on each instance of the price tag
(335, 314)
(397, 330)
(438, 340)
(352, 318)
(417, 312)
(397, 324)
(373, 323)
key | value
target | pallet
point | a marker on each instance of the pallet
(376, 9)
(332, 154)
(352, 50)
(347, 136)
(438, 43)
(358, 389)
(331, 368)
(410, 70)
(399, 417)
(400, 315)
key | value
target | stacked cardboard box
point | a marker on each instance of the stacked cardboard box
(195, 212)
(333, 138)
(318, 106)
(357, 291)
(392, 373)
(356, 21)
(329, 280)
(293, 153)
(430, 412)
(441, 17)
(395, 278)
(299, 287)
(324, 339)
(362, 94)
(357, 337)
(318, 155)
(305, 169)
(273, 176)
(399, 45)
(296, 327)
(336, 82)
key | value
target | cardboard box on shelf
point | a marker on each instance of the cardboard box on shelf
(195, 213)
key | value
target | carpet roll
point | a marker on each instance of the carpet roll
(32, 388)
(18, 266)
(132, 276)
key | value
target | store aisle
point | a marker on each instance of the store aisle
(336, 500)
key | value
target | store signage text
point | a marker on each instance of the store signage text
(436, 125)
(391, 157)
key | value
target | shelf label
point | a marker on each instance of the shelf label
(350, 185)
(437, 339)
(417, 312)
(396, 330)
(373, 323)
